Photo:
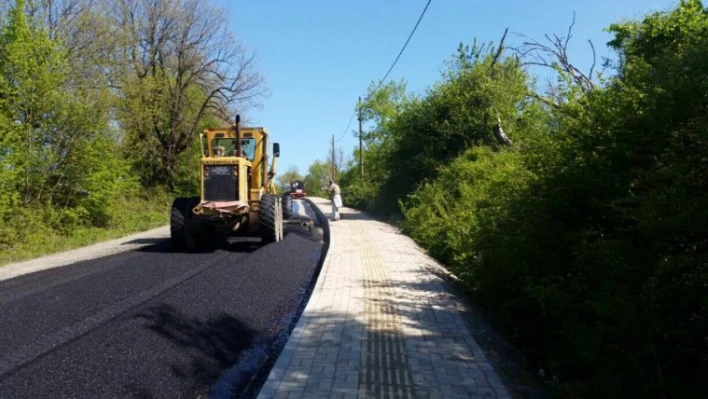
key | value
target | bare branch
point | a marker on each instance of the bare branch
(553, 53)
(594, 58)
(543, 99)
(570, 34)
(500, 49)
(499, 133)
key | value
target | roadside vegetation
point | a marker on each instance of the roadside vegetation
(583, 227)
(100, 106)
(314, 180)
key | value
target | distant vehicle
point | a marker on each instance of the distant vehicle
(297, 190)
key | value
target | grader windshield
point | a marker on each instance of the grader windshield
(226, 147)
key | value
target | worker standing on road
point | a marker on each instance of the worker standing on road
(335, 194)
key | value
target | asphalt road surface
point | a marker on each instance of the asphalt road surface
(153, 323)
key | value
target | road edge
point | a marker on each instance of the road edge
(93, 251)
(270, 376)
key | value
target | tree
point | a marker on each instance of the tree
(283, 179)
(178, 64)
(587, 241)
(55, 138)
(342, 161)
(316, 179)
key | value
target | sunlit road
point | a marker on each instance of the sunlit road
(154, 323)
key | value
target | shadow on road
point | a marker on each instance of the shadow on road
(146, 241)
(207, 346)
(301, 227)
(242, 245)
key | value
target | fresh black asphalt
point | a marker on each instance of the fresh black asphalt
(153, 323)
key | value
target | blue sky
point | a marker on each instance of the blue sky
(318, 56)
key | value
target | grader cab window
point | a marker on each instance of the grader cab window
(205, 148)
(223, 147)
(248, 146)
(226, 147)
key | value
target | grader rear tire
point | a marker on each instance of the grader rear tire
(271, 219)
(287, 206)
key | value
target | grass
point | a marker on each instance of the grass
(129, 216)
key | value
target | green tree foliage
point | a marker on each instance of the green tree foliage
(380, 108)
(57, 154)
(180, 65)
(283, 179)
(316, 178)
(587, 238)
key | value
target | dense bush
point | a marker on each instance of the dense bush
(587, 239)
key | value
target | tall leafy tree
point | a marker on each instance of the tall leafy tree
(55, 137)
(316, 178)
(178, 64)
(283, 179)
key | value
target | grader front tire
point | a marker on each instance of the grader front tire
(182, 232)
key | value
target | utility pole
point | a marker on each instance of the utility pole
(334, 169)
(361, 146)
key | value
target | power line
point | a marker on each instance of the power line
(402, 49)
(347, 128)
(422, 14)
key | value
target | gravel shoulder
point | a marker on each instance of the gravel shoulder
(98, 250)
(106, 248)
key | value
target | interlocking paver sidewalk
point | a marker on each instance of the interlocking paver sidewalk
(380, 324)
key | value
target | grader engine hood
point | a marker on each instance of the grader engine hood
(221, 184)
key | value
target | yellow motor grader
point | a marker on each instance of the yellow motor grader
(238, 196)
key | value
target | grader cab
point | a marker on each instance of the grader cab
(238, 195)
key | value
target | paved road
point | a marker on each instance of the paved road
(153, 323)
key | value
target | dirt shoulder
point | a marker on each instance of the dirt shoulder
(101, 249)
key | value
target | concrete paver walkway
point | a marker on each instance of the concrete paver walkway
(379, 324)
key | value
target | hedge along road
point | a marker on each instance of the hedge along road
(157, 323)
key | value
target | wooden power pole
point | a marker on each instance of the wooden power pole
(334, 168)
(361, 146)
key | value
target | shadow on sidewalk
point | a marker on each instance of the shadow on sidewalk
(431, 309)
(411, 306)
(404, 326)
(346, 214)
